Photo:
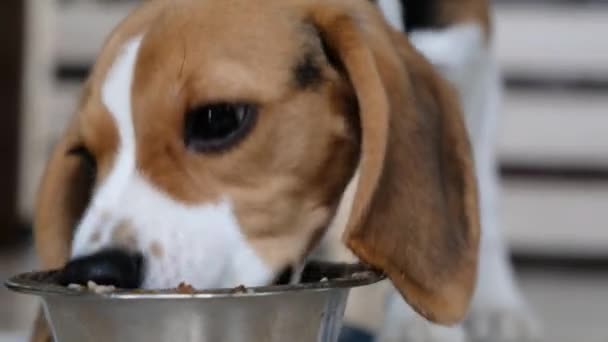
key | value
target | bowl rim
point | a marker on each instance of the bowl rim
(37, 283)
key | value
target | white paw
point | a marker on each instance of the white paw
(420, 330)
(503, 325)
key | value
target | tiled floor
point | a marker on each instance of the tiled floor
(572, 305)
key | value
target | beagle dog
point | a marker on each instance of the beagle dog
(455, 36)
(215, 139)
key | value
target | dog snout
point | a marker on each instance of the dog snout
(116, 267)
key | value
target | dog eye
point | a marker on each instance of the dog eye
(219, 126)
(87, 158)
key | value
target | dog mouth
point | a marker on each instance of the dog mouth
(315, 271)
(121, 270)
(284, 277)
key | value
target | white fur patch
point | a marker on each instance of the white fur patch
(332, 248)
(452, 50)
(393, 12)
(198, 244)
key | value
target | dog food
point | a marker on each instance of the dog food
(239, 289)
(100, 289)
(185, 288)
(182, 288)
(92, 286)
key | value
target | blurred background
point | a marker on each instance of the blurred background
(553, 144)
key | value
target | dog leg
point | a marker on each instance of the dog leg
(499, 312)
(403, 324)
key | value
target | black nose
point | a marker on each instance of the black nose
(109, 267)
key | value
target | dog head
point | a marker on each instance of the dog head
(215, 140)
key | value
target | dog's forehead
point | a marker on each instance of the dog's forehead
(221, 54)
(224, 50)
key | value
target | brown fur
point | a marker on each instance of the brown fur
(414, 214)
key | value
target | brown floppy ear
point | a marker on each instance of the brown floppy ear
(62, 198)
(414, 213)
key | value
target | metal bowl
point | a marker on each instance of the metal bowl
(306, 312)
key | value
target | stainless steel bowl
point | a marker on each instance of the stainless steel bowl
(311, 311)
